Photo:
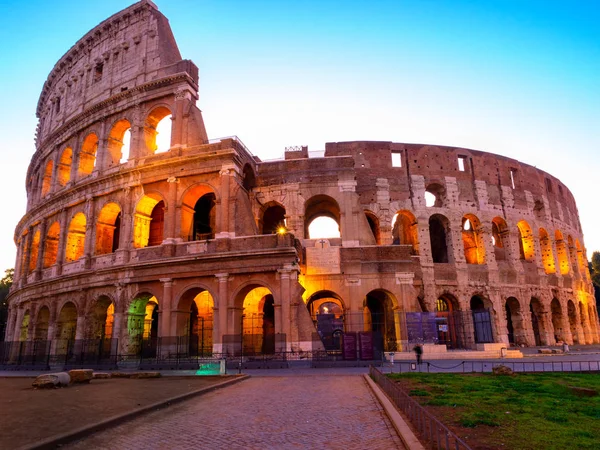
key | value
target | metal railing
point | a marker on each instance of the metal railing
(474, 366)
(431, 430)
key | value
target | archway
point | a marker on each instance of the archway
(439, 230)
(148, 223)
(198, 213)
(526, 241)
(448, 322)
(585, 324)
(157, 130)
(66, 328)
(538, 324)
(119, 141)
(24, 332)
(482, 320)
(76, 238)
(547, 253)
(273, 218)
(63, 172)
(499, 232)
(321, 218)
(142, 326)
(258, 321)
(514, 322)
(47, 179)
(51, 245)
(108, 229)
(572, 313)
(472, 237)
(34, 251)
(405, 230)
(373, 222)
(557, 321)
(572, 255)
(41, 324)
(87, 155)
(378, 307)
(101, 319)
(195, 321)
(326, 309)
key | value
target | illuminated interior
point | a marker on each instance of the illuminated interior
(35, 247)
(63, 174)
(472, 237)
(119, 142)
(157, 131)
(198, 213)
(499, 231)
(526, 241)
(195, 320)
(76, 238)
(438, 235)
(321, 218)
(259, 321)
(47, 180)
(273, 218)
(51, 245)
(87, 155)
(142, 219)
(547, 253)
(405, 230)
(108, 229)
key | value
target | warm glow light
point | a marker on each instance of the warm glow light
(323, 227)
(281, 230)
(429, 199)
(467, 225)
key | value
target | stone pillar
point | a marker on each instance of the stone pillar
(137, 144)
(223, 229)
(39, 266)
(126, 233)
(19, 260)
(90, 234)
(10, 324)
(285, 300)
(220, 315)
(349, 223)
(544, 321)
(171, 212)
(20, 313)
(182, 98)
(165, 308)
(406, 302)
(568, 336)
(62, 241)
(28, 241)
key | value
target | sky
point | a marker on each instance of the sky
(516, 78)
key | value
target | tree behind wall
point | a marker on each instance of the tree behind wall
(594, 267)
(5, 284)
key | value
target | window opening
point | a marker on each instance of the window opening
(462, 163)
(513, 173)
(396, 159)
(98, 72)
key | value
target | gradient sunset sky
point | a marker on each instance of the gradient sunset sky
(516, 78)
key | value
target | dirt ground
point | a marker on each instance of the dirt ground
(28, 415)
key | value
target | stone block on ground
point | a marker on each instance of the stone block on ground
(101, 375)
(545, 351)
(121, 374)
(502, 370)
(146, 375)
(52, 380)
(81, 375)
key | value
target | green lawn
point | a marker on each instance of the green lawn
(524, 411)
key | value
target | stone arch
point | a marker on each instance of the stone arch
(405, 230)
(499, 238)
(148, 221)
(87, 155)
(24, 326)
(195, 320)
(318, 207)
(248, 178)
(66, 328)
(515, 322)
(572, 313)
(199, 213)
(472, 237)
(327, 311)
(439, 236)
(435, 195)
(258, 319)
(119, 140)
(557, 321)
(526, 241)
(593, 319)
(379, 318)
(108, 229)
(75, 245)
(154, 118)
(101, 318)
(538, 322)
(562, 252)
(142, 325)
(572, 254)
(63, 172)
(41, 324)
(51, 245)
(373, 222)
(481, 311)
(272, 218)
(47, 178)
(447, 321)
(34, 249)
(547, 253)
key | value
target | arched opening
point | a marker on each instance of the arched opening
(51, 245)
(581, 258)
(108, 229)
(41, 324)
(119, 140)
(258, 323)
(373, 222)
(87, 155)
(573, 321)
(66, 328)
(557, 321)
(326, 309)
(514, 322)
(472, 237)
(204, 218)
(195, 320)
(593, 321)
(547, 253)
(101, 319)
(448, 324)
(435, 195)
(63, 173)
(34, 251)
(378, 307)
(157, 130)
(47, 179)
(439, 231)
(526, 241)
(499, 233)
(572, 254)
(405, 230)
(482, 320)
(585, 324)
(76, 238)
(536, 310)
(561, 252)
(249, 179)
(148, 221)
(321, 218)
(142, 326)
(273, 218)
(24, 332)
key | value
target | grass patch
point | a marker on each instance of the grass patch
(525, 411)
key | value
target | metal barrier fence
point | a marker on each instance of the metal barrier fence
(431, 430)
(488, 366)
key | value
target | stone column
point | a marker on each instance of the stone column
(220, 315)
(28, 241)
(126, 232)
(406, 302)
(10, 324)
(182, 98)
(349, 223)
(567, 335)
(90, 234)
(285, 300)
(62, 241)
(171, 213)
(39, 266)
(137, 144)
(166, 305)
(223, 228)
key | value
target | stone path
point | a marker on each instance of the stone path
(333, 412)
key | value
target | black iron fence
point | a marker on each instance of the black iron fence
(431, 430)
(526, 366)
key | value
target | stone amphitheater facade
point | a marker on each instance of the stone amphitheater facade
(207, 236)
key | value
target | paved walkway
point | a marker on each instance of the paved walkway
(319, 411)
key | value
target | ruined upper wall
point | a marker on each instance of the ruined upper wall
(129, 49)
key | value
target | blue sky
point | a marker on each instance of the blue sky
(517, 78)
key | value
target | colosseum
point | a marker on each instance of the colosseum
(128, 250)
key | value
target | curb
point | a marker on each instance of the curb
(407, 436)
(57, 441)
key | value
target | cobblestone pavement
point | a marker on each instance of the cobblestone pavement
(334, 412)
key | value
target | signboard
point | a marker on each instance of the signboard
(349, 346)
(366, 345)
(322, 258)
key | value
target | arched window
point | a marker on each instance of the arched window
(472, 237)
(547, 254)
(64, 167)
(273, 218)
(47, 180)
(435, 195)
(157, 224)
(119, 142)
(204, 218)
(87, 155)
(157, 131)
(51, 245)
(526, 242)
(76, 238)
(405, 230)
(562, 252)
(321, 218)
(373, 222)
(34, 250)
(146, 211)
(108, 229)
(438, 234)
(499, 231)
